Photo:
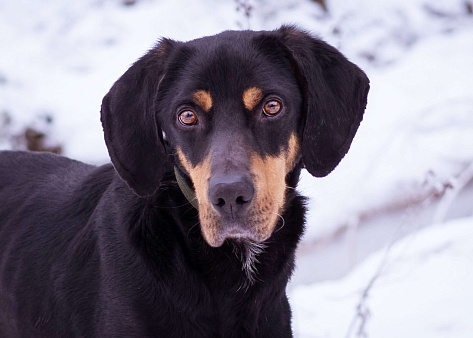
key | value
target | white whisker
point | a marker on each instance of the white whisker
(190, 229)
(283, 222)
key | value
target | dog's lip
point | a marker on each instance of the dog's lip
(236, 232)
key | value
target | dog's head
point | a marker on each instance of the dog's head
(239, 110)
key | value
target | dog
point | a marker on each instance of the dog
(192, 230)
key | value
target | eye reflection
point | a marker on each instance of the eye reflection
(272, 107)
(187, 117)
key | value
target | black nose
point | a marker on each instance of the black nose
(231, 194)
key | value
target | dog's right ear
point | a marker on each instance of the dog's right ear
(130, 126)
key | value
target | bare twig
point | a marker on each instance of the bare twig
(362, 309)
(457, 185)
(244, 7)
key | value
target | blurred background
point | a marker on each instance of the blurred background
(388, 250)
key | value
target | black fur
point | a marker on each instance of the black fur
(117, 250)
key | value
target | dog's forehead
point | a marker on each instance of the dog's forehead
(229, 64)
(230, 77)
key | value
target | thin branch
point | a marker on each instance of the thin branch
(457, 185)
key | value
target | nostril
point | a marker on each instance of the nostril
(240, 200)
(220, 203)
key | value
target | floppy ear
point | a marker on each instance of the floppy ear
(129, 122)
(335, 95)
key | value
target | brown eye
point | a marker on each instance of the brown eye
(272, 107)
(187, 117)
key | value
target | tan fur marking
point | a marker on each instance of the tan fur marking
(251, 97)
(200, 175)
(292, 152)
(270, 185)
(203, 99)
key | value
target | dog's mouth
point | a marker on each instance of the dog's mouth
(235, 234)
(238, 231)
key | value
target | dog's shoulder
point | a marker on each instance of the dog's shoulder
(18, 163)
(24, 173)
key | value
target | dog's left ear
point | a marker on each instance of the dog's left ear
(130, 126)
(335, 96)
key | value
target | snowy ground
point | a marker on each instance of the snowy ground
(420, 287)
(408, 167)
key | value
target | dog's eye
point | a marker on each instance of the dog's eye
(272, 107)
(187, 117)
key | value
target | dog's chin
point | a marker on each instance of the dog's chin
(236, 233)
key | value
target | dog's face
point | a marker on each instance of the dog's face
(239, 111)
(231, 113)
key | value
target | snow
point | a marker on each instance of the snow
(423, 289)
(58, 59)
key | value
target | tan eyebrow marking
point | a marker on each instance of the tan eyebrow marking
(203, 99)
(251, 97)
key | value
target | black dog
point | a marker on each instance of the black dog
(192, 231)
